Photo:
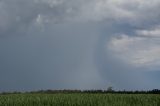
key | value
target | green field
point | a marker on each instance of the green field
(79, 99)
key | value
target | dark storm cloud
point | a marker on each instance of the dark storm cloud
(24, 14)
(62, 44)
(49, 60)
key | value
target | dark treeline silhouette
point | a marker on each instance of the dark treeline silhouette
(154, 91)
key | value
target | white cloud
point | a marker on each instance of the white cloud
(138, 51)
(134, 12)
(51, 3)
(154, 32)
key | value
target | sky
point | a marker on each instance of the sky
(79, 44)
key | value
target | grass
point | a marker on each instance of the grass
(80, 99)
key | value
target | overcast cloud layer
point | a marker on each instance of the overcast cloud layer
(79, 44)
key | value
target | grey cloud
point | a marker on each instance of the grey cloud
(61, 44)
(58, 57)
(21, 12)
(24, 14)
(118, 72)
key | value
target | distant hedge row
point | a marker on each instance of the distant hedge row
(154, 91)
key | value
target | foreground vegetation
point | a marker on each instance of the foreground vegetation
(79, 99)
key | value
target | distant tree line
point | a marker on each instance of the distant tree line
(154, 91)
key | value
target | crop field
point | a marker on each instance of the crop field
(80, 99)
